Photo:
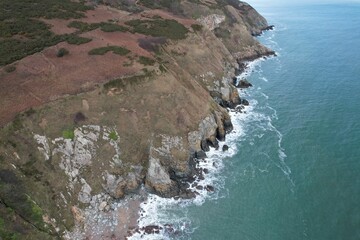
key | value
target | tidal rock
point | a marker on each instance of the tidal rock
(244, 102)
(152, 229)
(213, 142)
(209, 188)
(205, 145)
(225, 148)
(243, 83)
(200, 155)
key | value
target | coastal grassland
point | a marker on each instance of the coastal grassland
(170, 29)
(23, 34)
(146, 61)
(115, 49)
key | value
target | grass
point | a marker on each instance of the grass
(113, 136)
(115, 49)
(146, 61)
(68, 134)
(159, 28)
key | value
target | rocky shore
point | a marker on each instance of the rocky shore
(84, 163)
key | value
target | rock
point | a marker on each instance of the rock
(152, 229)
(157, 177)
(200, 155)
(78, 214)
(244, 102)
(205, 145)
(225, 148)
(209, 188)
(228, 125)
(102, 206)
(243, 83)
(85, 192)
(199, 187)
(213, 142)
(206, 171)
(115, 185)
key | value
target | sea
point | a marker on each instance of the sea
(293, 168)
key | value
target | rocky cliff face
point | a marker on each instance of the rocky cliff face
(87, 149)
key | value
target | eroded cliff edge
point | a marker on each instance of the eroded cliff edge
(144, 127)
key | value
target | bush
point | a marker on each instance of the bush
(146, 61)
(76, 40)
(113, 136)
(196, 27)
(115, 49)
(62, 52)
(159, 28)
(111, 27)
(10, 68)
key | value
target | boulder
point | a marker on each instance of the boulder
(225, 148)
(243, 83)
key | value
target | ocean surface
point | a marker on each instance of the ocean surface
(293, 169)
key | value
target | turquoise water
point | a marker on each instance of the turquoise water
(296, 174)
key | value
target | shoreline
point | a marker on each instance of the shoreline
(126, 218)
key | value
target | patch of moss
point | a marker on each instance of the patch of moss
(115, 49)
(159, 28)
(68, 134)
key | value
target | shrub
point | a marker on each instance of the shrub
(111, 27)
(159, 28)
(113, 136)
(76, 40)
(79, 117)
(146, 61)
(115, 49)
(196, 27)
(62, 52)
(10, 68)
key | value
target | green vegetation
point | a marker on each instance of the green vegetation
(222, 33)
(10, 69)
(174, 6)
(77, 40)
(111, 27)
(146, 61)
(18, 19)
(62, 52)
(113, 136)
(159, 28)
(68, 134)
(22, 9)
(104, 26)
(122, 82)
(196, 27)
(115, 49)
(83, 27)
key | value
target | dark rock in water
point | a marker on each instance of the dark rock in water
(245, 102)
(151, 229)
(228, 125)
(205, 145)
(220, 134)
(225, 148)
(234, 82)
(199, 187)
(243, 83)
(200, 155)
(206, 171)
(213, 142)
(188, 194)
(209, 188)
(271, 27)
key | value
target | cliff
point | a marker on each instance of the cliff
(135, 106)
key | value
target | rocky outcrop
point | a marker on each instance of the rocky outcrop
(243, 83)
